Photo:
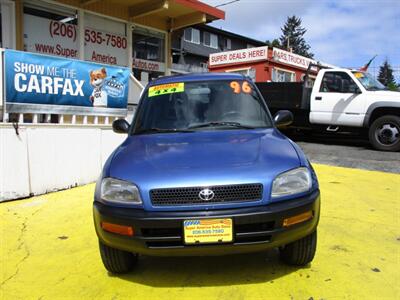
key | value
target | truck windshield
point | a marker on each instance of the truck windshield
(189, 106)
(368, 81)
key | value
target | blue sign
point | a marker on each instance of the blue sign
(39, 79)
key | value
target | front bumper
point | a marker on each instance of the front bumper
(161, 233)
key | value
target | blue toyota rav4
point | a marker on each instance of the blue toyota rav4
(204, 170)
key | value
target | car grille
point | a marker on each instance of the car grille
(222, 193)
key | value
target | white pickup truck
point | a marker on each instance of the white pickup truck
(340, 100)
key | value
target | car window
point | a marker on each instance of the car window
(187, 104)
(337, 82)
(368, 81)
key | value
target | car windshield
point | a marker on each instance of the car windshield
(189, 106)
(368, 81)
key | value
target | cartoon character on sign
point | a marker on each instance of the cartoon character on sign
(99, 95)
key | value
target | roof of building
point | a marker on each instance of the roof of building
(197, 77)
(212, 29)
(161, 14)
(199, 49)
(212, 12)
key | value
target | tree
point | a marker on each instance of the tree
(292, 36)
(274, 43)
(393, 87)
(386, 74)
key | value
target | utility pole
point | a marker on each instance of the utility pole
(288, 44)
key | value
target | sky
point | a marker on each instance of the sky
(346, 33)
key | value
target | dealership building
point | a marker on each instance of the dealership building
(265, 64)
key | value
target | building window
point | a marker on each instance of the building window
(148, 44)
(148, 54)
(250, 46)
(192, 35)
(210, 40)
(310, 80)
(250, 72)
(113, 49)
(60, 37)
(55, 13)
(283, 76)
(228, 44)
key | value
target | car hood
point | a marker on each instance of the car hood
(386, 95)
(203, 158)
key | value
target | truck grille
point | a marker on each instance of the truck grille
(222, 193)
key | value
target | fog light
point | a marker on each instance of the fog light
(118, 229)
(298, 219)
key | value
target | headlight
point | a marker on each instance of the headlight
(115, 190)
(292, 182)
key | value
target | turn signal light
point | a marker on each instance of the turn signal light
(298, 219)
(118, 229)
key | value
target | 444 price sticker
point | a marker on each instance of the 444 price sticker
(169, 88)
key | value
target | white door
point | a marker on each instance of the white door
(7, 24)
(337, 101)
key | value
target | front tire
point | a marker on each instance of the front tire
(301, 252)
(117, 261)
(384, 133)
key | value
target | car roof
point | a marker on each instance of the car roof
(197, 77)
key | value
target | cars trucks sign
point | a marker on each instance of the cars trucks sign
(292, 59)
(238, 56)
(40, 79)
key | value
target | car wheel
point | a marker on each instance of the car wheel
(301, 252)
(117, 261)
(384, 133)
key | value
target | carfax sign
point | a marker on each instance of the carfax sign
(39, 79)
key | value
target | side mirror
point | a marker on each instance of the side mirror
(120, 126)
(283, 118)
(354, 90)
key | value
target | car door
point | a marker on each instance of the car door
(337, 101)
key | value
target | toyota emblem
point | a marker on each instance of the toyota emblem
(206, 195)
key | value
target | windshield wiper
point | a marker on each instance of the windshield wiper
(214, 124)
(189, 129)
(161, 130)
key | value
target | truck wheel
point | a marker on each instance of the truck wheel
(301, 252)
(384, 133)
(115, 260)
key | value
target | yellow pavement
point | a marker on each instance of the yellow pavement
(49, 251)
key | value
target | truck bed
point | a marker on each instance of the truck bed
(291, 96)
(282, 95)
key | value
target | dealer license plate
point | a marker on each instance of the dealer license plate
(206, 231)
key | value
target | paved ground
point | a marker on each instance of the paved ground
(49, 251)
(347, 152)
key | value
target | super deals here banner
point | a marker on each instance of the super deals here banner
(40, 79)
